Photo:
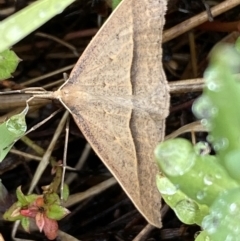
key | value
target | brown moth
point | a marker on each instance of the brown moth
(118, 95)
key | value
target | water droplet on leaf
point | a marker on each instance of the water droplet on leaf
(210, 138)
(203, 108)
(208, 180)
(218, 176)
(16, 125)
(207, 124)
(212, 80)
(233, 208)
(186, 209)
(220, 144)
(165, 186)
(13, 32)
(210, 223)
(42, 13)
(201, 195)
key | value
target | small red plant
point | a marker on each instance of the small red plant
(45, 209)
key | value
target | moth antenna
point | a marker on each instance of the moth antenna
(43, 121)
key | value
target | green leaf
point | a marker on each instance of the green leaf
(8, 63)
(21, 197)
(11, 131)
(13, 214)
(201, 214)
(25, 21)
(25, 200)
(65, 192)
(52, 198)
(56, 212)
(25, 222)
(31, 198)
(210, 180)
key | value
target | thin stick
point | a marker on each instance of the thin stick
(42, 122)
(34, 80)
(144, 233)
(193, 22)
(9, 102)
(188, 85)
(60, 41)
(55, 83)
(39, 150)
(64, 158)
(78, 197)
(25, 155)
(194, 126)
(210, 16)
(192, 46)
(45, 160)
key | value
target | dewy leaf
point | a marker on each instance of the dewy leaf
(218, 107)
(14, 28)
(179, 156)
(8, 63)
(223, 222)
(11, 131)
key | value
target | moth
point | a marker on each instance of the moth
(119, 97)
